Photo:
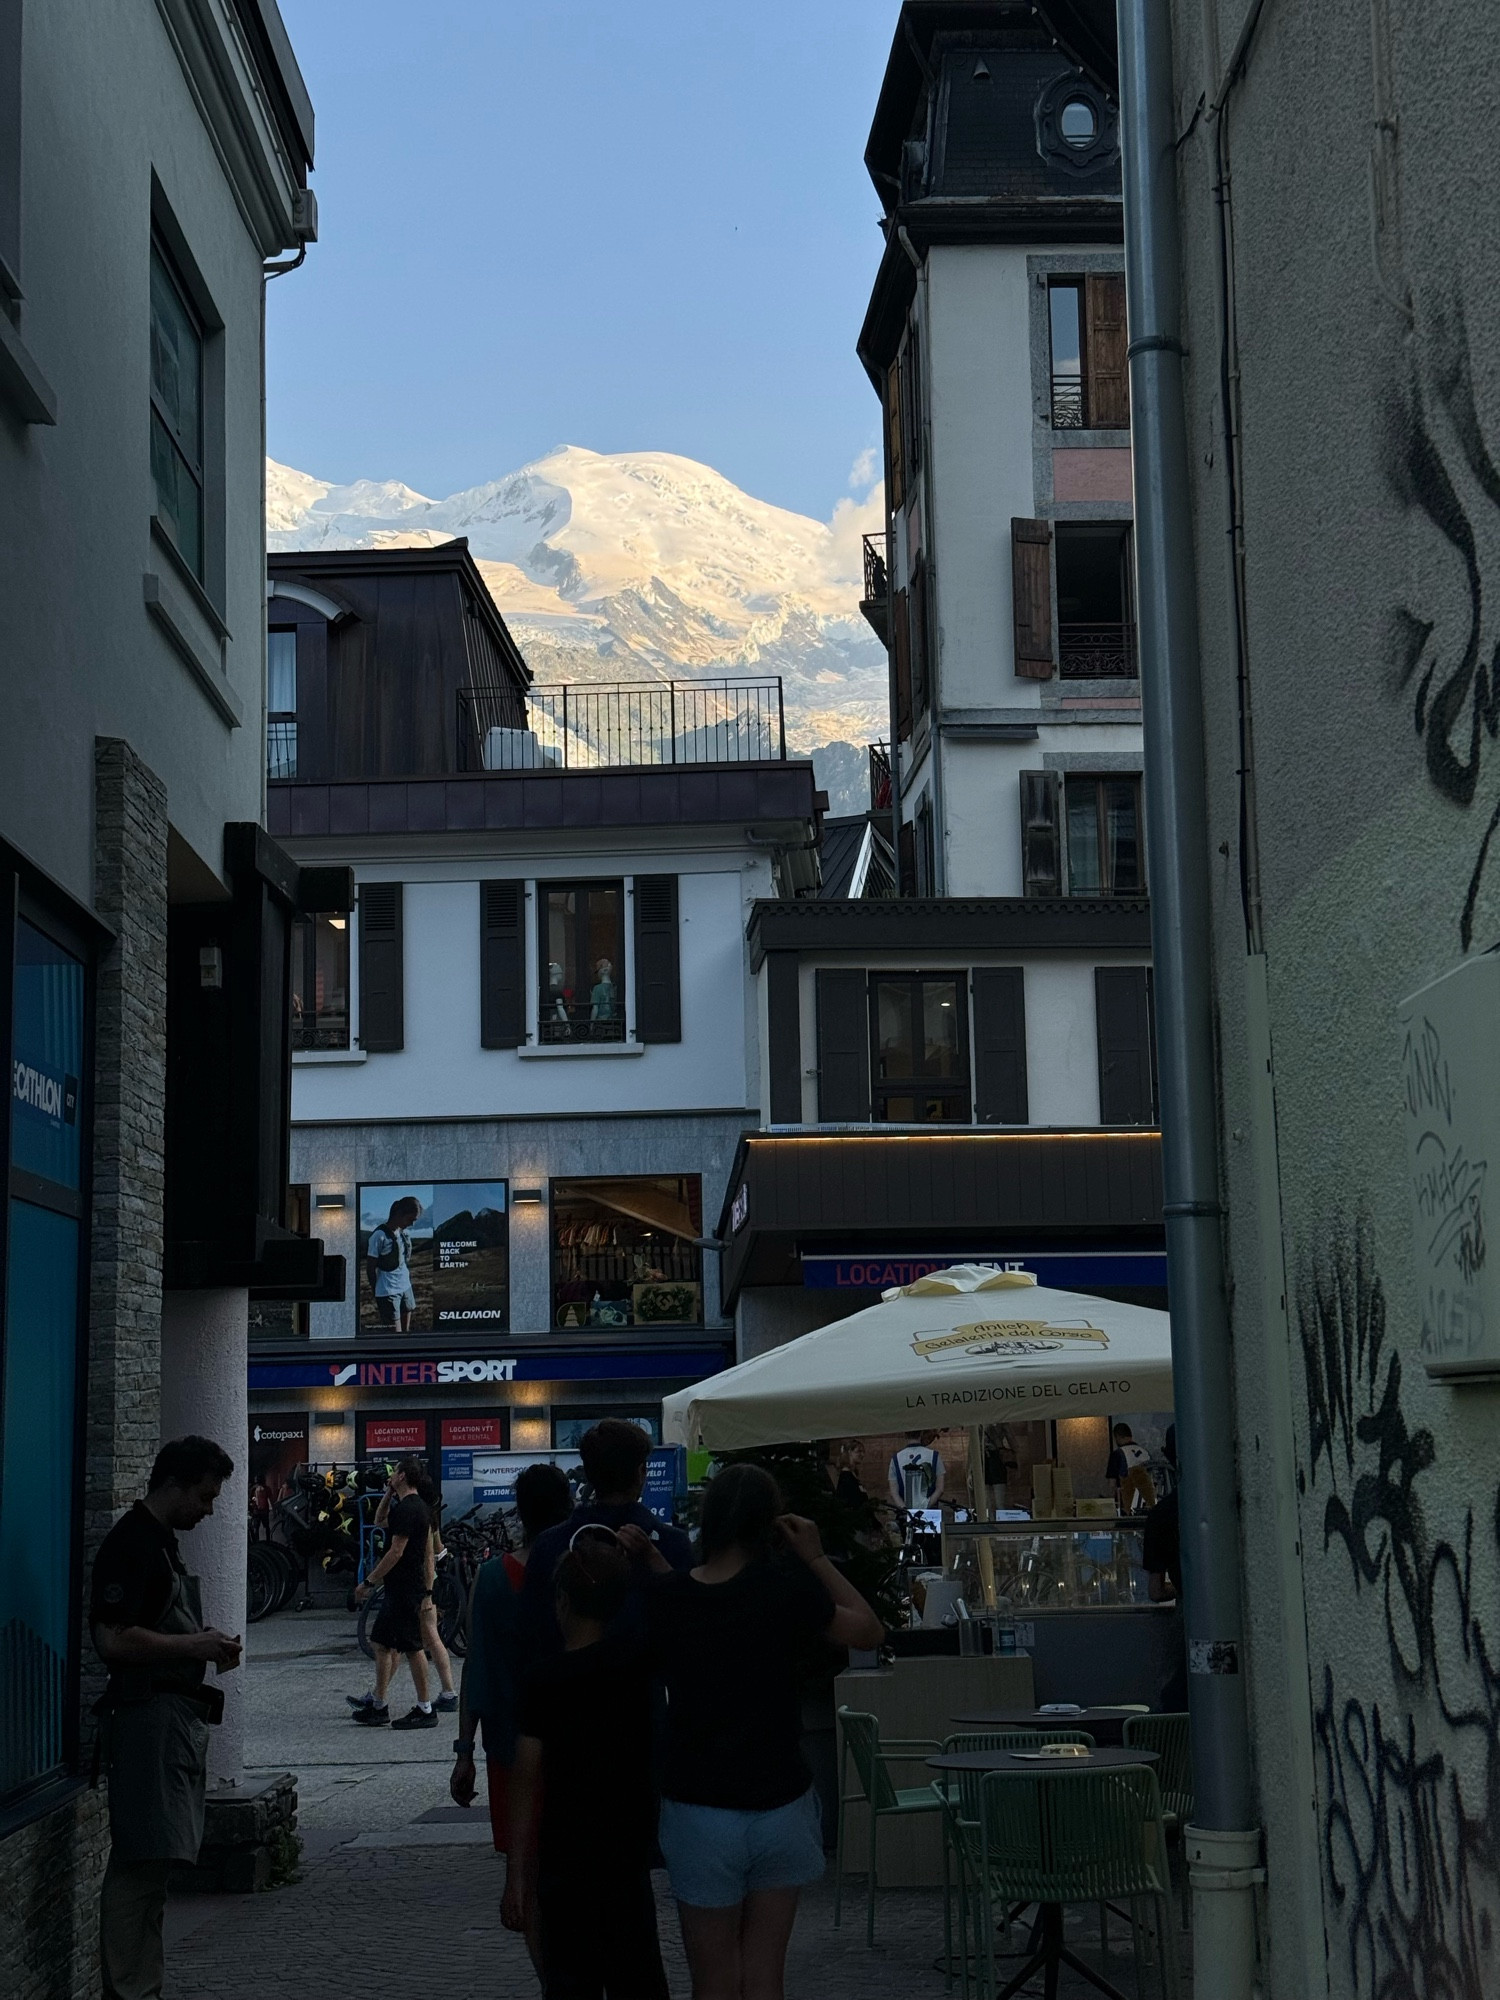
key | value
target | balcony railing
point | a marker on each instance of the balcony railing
(581, 725)
(880, 777)
(281, 748)
(1097, 652)
(876, 601)
(1068, 412)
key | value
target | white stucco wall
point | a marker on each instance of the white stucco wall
(107, 107)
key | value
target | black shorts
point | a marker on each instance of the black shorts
(398, 1622)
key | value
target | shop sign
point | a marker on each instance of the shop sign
(459, 1432)
(739, 1209)
(458, 1468)
(666, 1477)
(437, 1251)
(602, 1364)
(1066, 1270)
(395, 1434)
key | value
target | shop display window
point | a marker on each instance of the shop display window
(625, 1252)
(582, 962)
(433, 1256)
(569, 1425)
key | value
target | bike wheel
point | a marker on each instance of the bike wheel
(260, 1584)
(368, 1612)
(285, 1570)
(449, 1602)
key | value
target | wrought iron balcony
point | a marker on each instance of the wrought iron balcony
(1096, 652)
(583, 725)
(880, 777)
(876, 601)
(1068, 411)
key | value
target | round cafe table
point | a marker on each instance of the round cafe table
(1019, 1760)
(1048, 1951)
(1105, 1725)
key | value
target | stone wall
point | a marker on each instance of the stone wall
(50, 1868)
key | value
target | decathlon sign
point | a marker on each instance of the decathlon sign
(418, 1374)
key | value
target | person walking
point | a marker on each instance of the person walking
(490, 1691)
(615, 1456)
(397, 1631)
(446, 1700)
(584, 1810)
(146, 1615)
(388, 1264)
(741, 1827)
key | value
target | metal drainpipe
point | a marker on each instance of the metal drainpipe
(1223, 1845)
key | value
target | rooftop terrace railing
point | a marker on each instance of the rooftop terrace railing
(584, 725)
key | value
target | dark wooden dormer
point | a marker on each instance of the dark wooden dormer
(375, 648)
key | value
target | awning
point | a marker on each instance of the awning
(970, 1345)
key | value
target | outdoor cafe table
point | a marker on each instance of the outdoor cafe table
(1013, 1760)
(1105, 1725)
(1047, 1935)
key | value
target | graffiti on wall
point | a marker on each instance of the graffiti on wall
(1447, 636)
(1409, 1771)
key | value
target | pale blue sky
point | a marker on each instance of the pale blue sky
(544, 222)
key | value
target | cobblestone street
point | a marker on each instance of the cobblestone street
(396, 1888)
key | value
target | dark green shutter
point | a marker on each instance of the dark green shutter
(658, 985)
(1000, 1045)
(381, 969)
(843, 1048)
(502, 965)
(784, 1037)
(1127, 1053)
(1041, 834)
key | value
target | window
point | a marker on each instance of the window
(625, 1252)
(281, 703)
(434, 1256)
(320, 982)
(40, 1373)
(919, 1032)
(583, 962)
(1095, 600)
(1090, 385)
(570, 1423)
(1105, 856)
(176, 412)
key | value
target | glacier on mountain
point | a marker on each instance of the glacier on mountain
(630, 565)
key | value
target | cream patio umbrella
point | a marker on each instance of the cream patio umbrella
(968, 1346)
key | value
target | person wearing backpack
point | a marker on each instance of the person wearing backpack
(388, 1261)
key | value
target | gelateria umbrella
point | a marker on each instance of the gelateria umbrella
(972, 1345)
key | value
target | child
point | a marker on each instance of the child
(585, 1749)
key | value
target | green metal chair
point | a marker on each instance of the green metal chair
(959, 1791)
(860, 1741)
(1073, 1837)
(1168, 1736)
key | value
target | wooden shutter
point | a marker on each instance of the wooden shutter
(919, 624)
(1127, 1053)
(843, 1048)
(893, 434)
(1107, 371)
(502, 965)
(1031, 597)
(1041, 835)
(901, 662)
(999, 1045)
(906, 860)
(382, 979)
(784, 1036)
(658, 986)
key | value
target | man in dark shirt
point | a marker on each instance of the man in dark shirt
(614, 1455)
(397, 1631)
(146, 1615)
(1161, 1557)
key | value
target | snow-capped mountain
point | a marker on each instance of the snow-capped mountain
(630, 565)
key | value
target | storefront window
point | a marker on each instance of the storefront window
(39, 1381)
(434, 1256)
(320, 982)
(568, 1426)
(624, 1252)
(583, 962)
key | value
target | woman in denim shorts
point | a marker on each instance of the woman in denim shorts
(740, 1827)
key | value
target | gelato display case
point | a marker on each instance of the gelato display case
(1078, 1596)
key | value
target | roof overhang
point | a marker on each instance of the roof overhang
(913, 925)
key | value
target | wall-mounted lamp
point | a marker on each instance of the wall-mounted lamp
(337, 923)
(329, 1200)
(329, 1420)
(526, 1194)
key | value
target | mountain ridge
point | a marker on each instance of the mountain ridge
(625, 565)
